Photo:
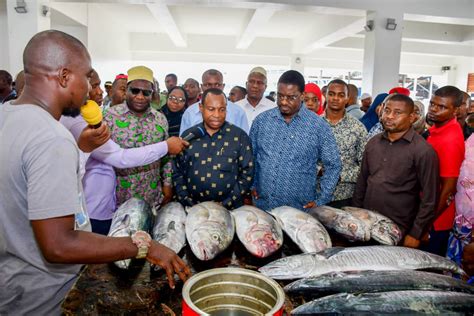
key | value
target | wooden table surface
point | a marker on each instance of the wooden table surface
(105, 289)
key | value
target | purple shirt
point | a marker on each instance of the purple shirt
(99, 179)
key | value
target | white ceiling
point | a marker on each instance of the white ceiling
(281, 27)
(324, 34)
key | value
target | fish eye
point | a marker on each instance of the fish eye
(215, 237)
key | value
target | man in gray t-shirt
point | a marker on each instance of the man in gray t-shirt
(39, 179)
(43, 223)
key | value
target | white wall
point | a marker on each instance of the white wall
(79, 32)
(463, 66)
(4, 56)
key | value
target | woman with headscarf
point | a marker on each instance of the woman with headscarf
(174, 109)
(419, 124)
(313, 98)
(371, 117)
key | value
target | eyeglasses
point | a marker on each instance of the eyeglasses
(213, 85)
(175, 99)
(136, 91)
(289, 98)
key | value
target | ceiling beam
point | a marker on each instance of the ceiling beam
(335, 36)
(162, 14)
(260, 17)
(76, 12)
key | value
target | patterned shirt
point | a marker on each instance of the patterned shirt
(286, 156)
(376, 129)
(131, 131)
(215, 168)
(350, 136)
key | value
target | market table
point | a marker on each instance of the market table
(105, 289)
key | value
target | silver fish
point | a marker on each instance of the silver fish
(133, 215)
(169, 228)
(382, 228)
(375, 281)
(395, 302)
(342, 222)
(305, 230)
(209, 229)
(258, 231)
(377, 258)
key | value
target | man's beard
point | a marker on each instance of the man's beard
(72, 112)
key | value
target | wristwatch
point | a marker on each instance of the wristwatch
(142, 240)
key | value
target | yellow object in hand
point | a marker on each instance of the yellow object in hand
(92, 113)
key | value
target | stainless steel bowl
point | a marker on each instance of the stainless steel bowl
(232, 291)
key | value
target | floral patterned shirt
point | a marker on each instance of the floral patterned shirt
(351, 137)
(131, 131)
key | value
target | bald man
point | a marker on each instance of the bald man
(44, 226)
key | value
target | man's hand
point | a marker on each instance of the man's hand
(255, 194)
(167, 194)
(176, 145)
(166, 258)
(310, 204)
(411, 242)
(92, 138)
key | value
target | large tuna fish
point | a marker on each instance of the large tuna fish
(377, 258)
(169, 226)
(382, 228)
(258, 231)
(395, 303)
(375, 281)
(133, 215)
(305, 231)
(209, 229)
(342, 222)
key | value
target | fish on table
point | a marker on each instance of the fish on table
(393, 302)
(341, 222)
(133, 215)
(257, 230)
(209, 229)
(377, 258)
(305, 230)
(169, 227)
(382, 228)
(375, 281)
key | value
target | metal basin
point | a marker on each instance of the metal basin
(232, 291)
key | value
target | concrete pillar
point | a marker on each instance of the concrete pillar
(297, 63)
(382, 49)
(22, 26)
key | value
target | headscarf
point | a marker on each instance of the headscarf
(371, 118)
(313, 88)
(420, 123)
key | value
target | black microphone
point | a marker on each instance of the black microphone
(194, 133)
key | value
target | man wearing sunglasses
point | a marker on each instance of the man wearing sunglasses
(135, 124)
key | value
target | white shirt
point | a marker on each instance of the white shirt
(252, 112)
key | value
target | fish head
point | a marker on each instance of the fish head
(208, 241)
(313, 241)
(355, 229)
(293, 267)
(262, 240)
(386, 232)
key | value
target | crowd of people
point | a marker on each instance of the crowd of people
(303, 146)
